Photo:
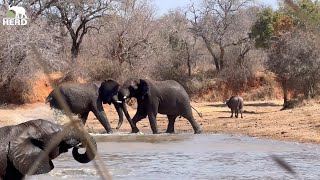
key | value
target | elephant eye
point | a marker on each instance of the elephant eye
(37, 143)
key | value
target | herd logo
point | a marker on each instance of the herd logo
(15, 16)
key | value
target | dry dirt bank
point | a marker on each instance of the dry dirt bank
(261, 119)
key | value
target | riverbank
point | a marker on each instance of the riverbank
(261, 119)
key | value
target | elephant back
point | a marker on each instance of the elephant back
(170, 88)
(77, 96)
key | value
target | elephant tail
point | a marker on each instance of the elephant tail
(52, 101)
(200, 114)
(48, 99)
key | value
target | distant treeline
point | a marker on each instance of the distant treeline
(223, 46)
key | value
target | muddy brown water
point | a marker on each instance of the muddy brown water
(187, 156)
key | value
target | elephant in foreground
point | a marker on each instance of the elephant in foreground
(20, 146)
(235, 103)
(83, 98)
(164, 97)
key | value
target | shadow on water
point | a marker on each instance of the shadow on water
(144, 138)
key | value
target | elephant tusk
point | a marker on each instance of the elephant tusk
(119, 102)
(81, 145)
(125, 97)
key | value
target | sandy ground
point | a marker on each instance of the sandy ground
(261, 119)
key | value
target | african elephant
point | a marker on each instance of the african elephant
(20, 146)
(235, 103)
(164, 97)
(83, 98)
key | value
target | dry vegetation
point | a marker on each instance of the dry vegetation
(123, 39)
(215, 49)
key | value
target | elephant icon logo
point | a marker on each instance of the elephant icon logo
(15, 16)
(16, 12)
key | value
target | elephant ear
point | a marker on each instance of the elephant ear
(145, 88)
(108, 89)
(25, 149)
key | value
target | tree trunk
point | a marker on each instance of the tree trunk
(285, 92)
(313, 93)
(188, 59)
(74, 51)
(215, 58)
(189, 66)
(309, 90)
(243, 52)
(216, 62)
(221, 59)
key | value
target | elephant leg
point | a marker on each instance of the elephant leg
(196, 127)
(138, 117)
(102, 117)
(231, 113)
(140, 114)
(153, 122)
(84, 117)
(241, 113)
(237, 113)
(152, 110)
(172, 119)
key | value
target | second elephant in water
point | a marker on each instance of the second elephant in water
(83, 98)
(164, 97)
(22, 144)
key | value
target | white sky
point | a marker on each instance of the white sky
(164, 6)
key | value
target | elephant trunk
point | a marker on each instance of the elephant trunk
(118, 106)
(91, 150)
(120, 114)
(124, 94)
(133, 126)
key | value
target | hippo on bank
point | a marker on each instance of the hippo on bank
(235, 103)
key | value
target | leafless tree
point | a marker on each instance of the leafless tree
(184, 45)
(126, 45)
(131, 32)
(78, 17)
(213, 23)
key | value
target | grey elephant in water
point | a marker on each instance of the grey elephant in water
(83, 98)
(235, 103)
(164, 97)
(20, 146)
